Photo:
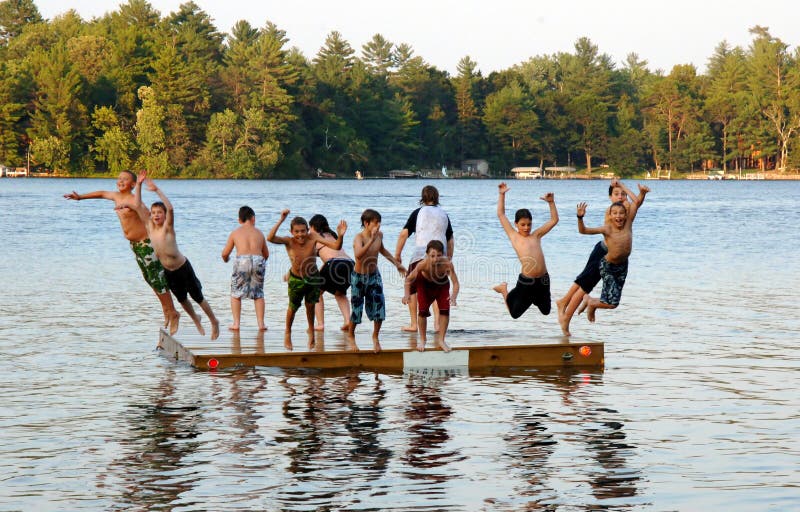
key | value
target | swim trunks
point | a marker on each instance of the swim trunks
(303, 288)
(529, 290)
(335, 274)
(183, 281)
(366, 292)
(613, 280)
(151, 268)
(247, 279)
(428, 292)
(590, 275)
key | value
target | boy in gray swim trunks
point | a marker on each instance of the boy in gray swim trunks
(618, 235)
(247, 279)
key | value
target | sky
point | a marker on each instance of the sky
(500, 33)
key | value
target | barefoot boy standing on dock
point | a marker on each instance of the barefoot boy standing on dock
(134, 230)
(533, 284)
(304, 281)
(247, 279)
(182, 281)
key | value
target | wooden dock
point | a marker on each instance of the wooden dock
(475, 351)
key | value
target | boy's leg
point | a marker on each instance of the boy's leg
(422, 322)
(565, 317)
(187, 306)
(310, 307)
(562, 303)
(444, 321)
(287, 334)
(171, 315)
(502, 289)
(206, 307)
(236, 312)
(594, 304)
(376, 329)
(344, 307)
(412, 312)
(260, 307)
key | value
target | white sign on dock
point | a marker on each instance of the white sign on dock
(435, 359)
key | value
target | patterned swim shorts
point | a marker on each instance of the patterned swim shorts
(151, 268)
(247, 280)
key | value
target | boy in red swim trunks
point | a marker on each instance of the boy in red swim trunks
(430, 277)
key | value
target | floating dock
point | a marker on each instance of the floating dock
(475, 351)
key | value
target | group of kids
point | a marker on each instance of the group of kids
(151, 234)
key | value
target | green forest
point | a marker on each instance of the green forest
(171, 93)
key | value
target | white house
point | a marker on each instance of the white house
(527, 173)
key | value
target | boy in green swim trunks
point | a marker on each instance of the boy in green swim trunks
(135, 232)
(304, 281)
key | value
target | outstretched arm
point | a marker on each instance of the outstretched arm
(98, 194)
(582, 229)
(272, 236)
(502, 188)
(545, 228)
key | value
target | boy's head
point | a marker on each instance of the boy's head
(430, 196)
(158, 213)
(434, 249)
(369, 216)
(299, 229)
(618, 213)
(126, 181)
(523, 220)
(617, 194)
(246, 213)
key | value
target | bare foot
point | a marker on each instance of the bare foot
(590, 313)
(319, 327)
(584, 303)
(444, 346)
(376, 345)
(561, 304)
(421, 345)
(214, 330)
(351, 344)
(501, 288)
(233, 327)
(311, 341)
(287, 341)
(199, 326)
(345, 327)
(174, 319)
(262, 327)
(409, 328)
(564, 325)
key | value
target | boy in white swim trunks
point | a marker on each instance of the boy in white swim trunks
(247, 279)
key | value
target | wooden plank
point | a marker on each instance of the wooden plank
(204, 354)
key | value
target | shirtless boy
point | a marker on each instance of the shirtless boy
(430, 277)
(304, 281)
(366, 287)
(135, 232)
(590, 275)
(618, 235)
(247, 279)
(533, 284)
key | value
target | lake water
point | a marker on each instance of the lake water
(697, 408)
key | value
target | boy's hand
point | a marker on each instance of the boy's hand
(614, 182)
(401, 269)
(150, 185)
(341, 228)
(73, 195)
(375, 232)
(284, 213)
(643, 189)
(582, 209)
(453, 301)
(502, 187)
(141, 177)
(406, 298)
(549, 197)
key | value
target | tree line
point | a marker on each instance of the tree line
(174, 95)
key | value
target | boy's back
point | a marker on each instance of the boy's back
(248, 240)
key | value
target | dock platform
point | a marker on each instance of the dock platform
(479, 351)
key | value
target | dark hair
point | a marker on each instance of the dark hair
(522, 213)
(246, 213)
(620, 204)
(160, 205)
(612, 187)
(435, 244)
(131, 173)
(298, 221)
(368, 216)
(320, 225)
(430, 195)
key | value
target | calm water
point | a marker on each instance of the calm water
(697, 407)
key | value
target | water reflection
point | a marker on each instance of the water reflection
(155, 466)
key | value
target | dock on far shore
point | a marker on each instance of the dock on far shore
(477, 352)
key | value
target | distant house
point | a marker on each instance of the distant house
(527, 173)
(478, 168)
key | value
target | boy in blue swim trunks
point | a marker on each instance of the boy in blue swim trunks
(366, 285)
(618, 236)
(304, 280)
(247, 278)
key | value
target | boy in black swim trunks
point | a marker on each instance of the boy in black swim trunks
(533, 284)
(304, 280)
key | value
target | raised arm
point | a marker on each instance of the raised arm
(341, 229)
(582, 229)
(272, 236)
(545, 228)
(169, 220)
(502, 188)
